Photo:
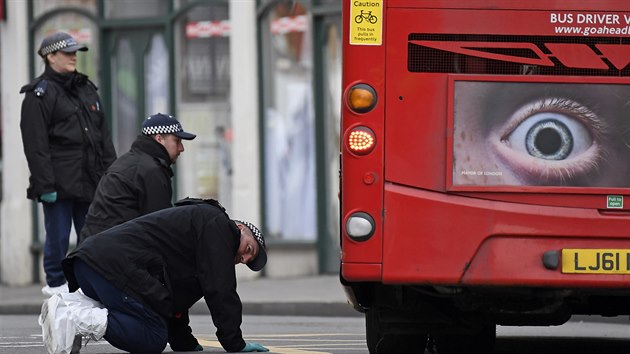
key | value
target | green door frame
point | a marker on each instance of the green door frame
(327, 250)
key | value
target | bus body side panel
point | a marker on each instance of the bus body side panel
(437, 239)
(362, 175)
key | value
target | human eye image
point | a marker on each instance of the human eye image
(541, 134)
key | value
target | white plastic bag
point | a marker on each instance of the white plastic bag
(66, 315)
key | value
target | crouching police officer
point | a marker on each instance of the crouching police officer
(149, 271)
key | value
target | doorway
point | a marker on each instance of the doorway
(139, 77)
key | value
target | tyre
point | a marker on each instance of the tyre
(381, 342)
(481, 342)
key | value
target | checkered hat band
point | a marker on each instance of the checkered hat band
(57, 46)
(162, 129)
(257, 234)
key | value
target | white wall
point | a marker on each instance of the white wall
(15, 211)
(244, 106)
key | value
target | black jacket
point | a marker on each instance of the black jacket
(137, 183)
(65, 135)
(169, 260)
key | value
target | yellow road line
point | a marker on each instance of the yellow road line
(308, 340)
(306, 335)
(275, 350)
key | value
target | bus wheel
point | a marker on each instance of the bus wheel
(481, 342)
(379, 342)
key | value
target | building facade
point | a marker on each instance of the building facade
(257, 81)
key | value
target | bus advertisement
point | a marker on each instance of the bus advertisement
(485, 159)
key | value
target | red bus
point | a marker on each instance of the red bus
(485, 159)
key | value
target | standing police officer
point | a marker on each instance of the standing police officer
(67, 145)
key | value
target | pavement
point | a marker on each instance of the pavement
(302, 296)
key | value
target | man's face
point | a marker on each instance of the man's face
(248, 248)
(173, 145)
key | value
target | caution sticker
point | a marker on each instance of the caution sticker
(366, 22)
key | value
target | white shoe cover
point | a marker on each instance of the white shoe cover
(67, 315)
(58, 330)
(50, 291)
(88, 315)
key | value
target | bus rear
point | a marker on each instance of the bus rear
(485, 159)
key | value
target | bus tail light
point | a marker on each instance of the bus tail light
(361, 98)
(360, 226)
(361, 140)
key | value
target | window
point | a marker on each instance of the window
(331, 57)
(289, 130)
(203, 79)
(135, 8)
(156, 77)
(124, 96)
(42, 6)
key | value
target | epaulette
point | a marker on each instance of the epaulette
(38, 87)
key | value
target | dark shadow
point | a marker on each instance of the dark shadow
(562, 345)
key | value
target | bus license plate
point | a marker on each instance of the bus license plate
(596, 261)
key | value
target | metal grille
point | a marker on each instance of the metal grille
(426, 59)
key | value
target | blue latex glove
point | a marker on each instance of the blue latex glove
(254, 347)
(199, 348)
(48, 197)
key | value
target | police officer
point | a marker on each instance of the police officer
(149, 271)
(139, 181)
(67, 145)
